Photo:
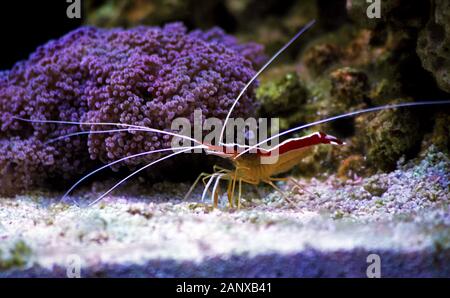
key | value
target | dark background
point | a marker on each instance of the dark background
(27, 24)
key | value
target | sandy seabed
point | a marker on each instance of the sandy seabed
(403, 216)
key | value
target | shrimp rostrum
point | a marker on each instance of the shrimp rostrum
(253, 164)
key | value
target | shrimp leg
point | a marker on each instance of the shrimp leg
(297, 185)
(239, 194)
(191, 189)
(279, 190)
(215, 192)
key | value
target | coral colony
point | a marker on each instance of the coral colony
(142, 76)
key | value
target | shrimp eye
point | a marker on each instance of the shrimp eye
(327, 139)
(334, 140)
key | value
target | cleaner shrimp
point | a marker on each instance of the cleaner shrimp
(246, 159)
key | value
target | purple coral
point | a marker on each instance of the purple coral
(143, 76)
(20, 162)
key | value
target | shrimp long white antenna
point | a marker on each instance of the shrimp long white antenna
(86, 132)
(149, 129)
(115, 162)
(304, 29)
(350, 114)
(140, 170)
